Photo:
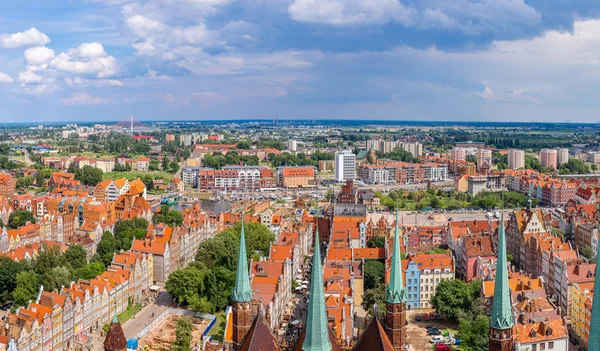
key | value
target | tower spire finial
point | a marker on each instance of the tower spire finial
(317, 329)
(395, 292)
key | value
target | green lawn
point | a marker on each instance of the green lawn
(125, 316)
(131, 175)
(218, 330)
(129, 312)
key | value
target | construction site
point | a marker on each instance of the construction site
(163, 335)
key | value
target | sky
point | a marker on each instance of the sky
(433, 60)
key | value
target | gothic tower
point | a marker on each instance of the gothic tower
(241, 296)
(395, 299)
(501, 318)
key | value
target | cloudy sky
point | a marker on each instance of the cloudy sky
(493, 60)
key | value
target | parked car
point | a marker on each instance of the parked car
(436, 339)
(434, 332)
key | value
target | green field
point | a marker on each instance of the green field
(218, 330)
(131, 175)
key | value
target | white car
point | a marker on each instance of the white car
(437, 339)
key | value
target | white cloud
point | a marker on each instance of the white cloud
(83, 82)
(38, 55)
(30, 37)
(471, 17)
(487, 94)
(351, 12)
(30, 77)
(88, 59)
(5, 78)
(83, 98)
(39, 89)
(90, 50)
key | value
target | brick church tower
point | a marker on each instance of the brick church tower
(241, 296)
(395, 300)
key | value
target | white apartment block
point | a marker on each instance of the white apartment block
(345, 165)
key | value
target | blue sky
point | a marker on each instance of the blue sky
(492, 60)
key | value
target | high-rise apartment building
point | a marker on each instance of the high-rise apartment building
(459, 154)
(345, 165)
(549, 158)
(516, 159)
(484, 159)
(563, 155)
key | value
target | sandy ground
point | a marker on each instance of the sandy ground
(161, 337)
(418, 339)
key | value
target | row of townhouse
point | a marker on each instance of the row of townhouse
(402, 173)
(65, 319)
(230, 177)
(423, 273)
(582, 298)
(548, 190)
(174, 248)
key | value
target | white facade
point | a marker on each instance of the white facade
(516, 159)
(345, 165)
(436, 172)
(484, 156)
(292, 145)
(563, 155)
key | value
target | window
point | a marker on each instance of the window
(542, 346)
(533, 347)
(551, 345)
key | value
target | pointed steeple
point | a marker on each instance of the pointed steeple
(501, 316)
(242, 291)
(317, 329)
(594, 337)
(394, 292)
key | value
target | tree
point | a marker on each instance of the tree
(588, 253)
(8, 277)
(76, 256)
(39, 179)
(19, 218)
(453, 297)
(89, 175)
(374, 296)
(376, 242)
(25, 182)
(374, 272)
(244, 145)
(127, 230)
(558, 232)
(90, 271)
(184, 285)
(168, 216)
(26, 289)
(474, 332)
(107, 246)
(183, 334)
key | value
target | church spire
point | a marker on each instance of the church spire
(501, 316)
(317, 329)
(594, 337)
(242, 291)
(394, 292)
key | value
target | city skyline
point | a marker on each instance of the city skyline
(104, 60)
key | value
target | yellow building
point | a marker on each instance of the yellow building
(581, 309)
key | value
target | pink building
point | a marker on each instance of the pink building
(549, 158)
(472, 249)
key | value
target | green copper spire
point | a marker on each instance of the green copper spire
(594, 337)
(317, 329)
(394, 292)
(501, 316)
(242, 291)
(115, 318)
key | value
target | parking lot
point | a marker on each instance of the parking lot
(417, 330)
